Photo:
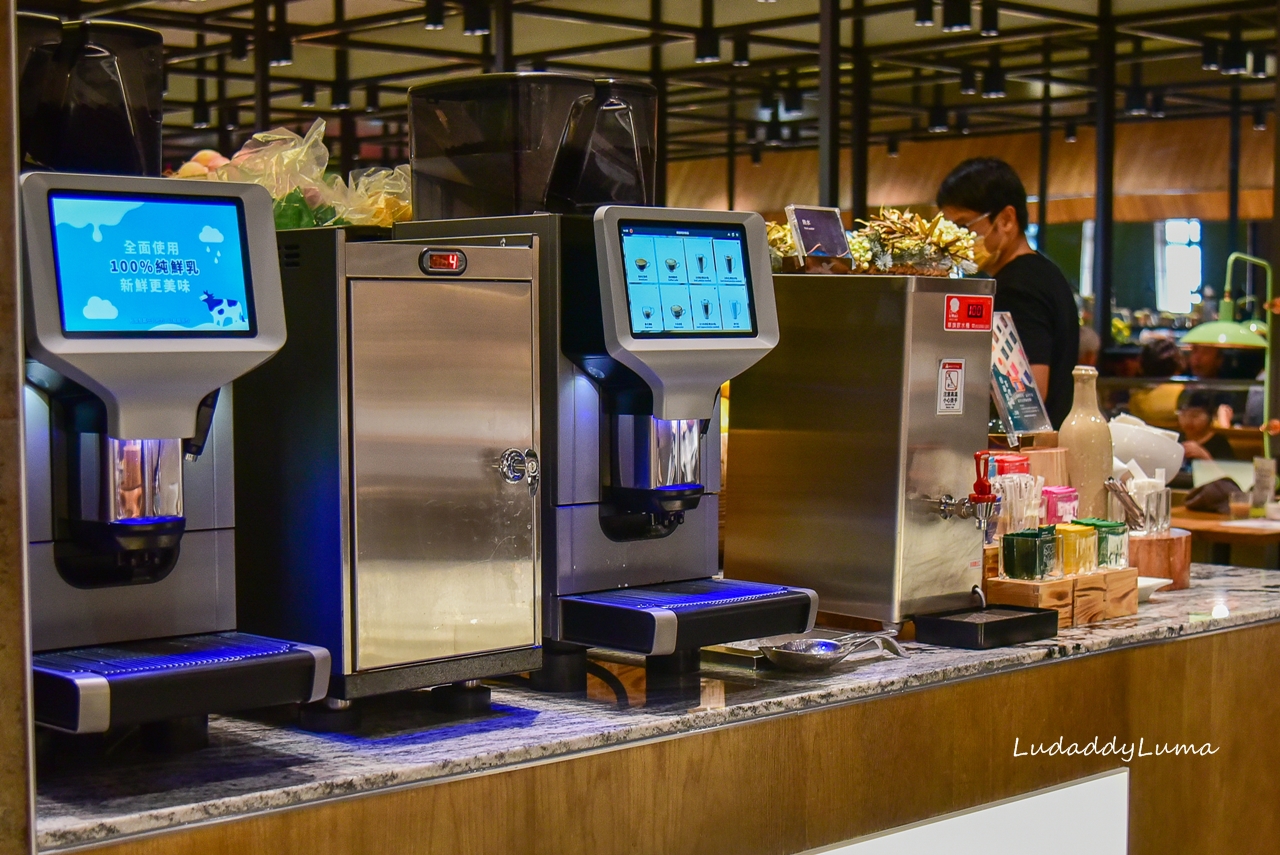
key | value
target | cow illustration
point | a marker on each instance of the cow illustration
(225, 312)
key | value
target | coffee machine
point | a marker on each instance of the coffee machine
(90, 95)
(143, 298)
(644, 313)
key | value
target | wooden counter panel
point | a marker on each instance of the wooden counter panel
(794, 782)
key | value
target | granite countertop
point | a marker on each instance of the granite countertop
(254, 764)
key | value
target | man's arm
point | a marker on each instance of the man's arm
(1041, 373)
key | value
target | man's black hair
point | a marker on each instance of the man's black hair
(1161, 357)
(987, 185)
(1197, 399)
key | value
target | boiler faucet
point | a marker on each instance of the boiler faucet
(982, 510)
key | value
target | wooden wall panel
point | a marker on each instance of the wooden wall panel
(1163, 169)
(794, 782)
(15, 756)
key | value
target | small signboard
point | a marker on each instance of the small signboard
(951, 387)
(1013, 386)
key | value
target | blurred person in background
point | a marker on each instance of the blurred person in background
(1196, 428)
(986, 196)
(1090, 344)
(1157, 404)
(1205, 362)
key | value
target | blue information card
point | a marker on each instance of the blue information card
(686, 279)
(163, 265)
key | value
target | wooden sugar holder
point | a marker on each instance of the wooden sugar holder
(1167, 555)
(1079, 600)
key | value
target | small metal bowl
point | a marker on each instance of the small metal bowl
(819, 654)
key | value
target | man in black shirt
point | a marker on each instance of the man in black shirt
(986, 196)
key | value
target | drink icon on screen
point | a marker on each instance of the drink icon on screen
(641, 264)
(672, 265)
(735, 309)
(677, 312)
(647, 311)
(706, 308)
(728, 263)
(702, 263)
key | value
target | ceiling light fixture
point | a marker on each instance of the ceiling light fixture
(281, 45)
(1069, 132)
(1234, 59)
(340, 96)
(993, 76)
(968, 81)
(924, 13)
(308, 94)
(957, 16)
(1257, 61)
(1210, 54)
(741, 51)
(475, 18)
(1157, 104)
(773, 130)
(990, 18)
(706, 42)
(891, 147)
(793, 97)
(938, 112)
(434, 15)
(200, 111)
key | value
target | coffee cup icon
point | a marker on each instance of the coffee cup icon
(706, 309)
(677, 312)
(702, 263)
(641, 264)
(647, 311)
(728, 263)
(672, 265)
(735, 309)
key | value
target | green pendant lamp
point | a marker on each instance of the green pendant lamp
(1223, 334)
(1230, 334)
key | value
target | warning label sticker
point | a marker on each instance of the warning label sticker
(969, 312)
(951, 387)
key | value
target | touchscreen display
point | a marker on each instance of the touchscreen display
(151, 265)
(687, 280)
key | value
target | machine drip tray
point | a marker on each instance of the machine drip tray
(93, 689)
(657, 620)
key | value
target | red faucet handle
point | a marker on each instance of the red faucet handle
(981, 487)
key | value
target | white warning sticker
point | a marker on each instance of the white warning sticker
(951, 387)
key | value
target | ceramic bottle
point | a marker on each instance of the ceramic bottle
(1087, 438)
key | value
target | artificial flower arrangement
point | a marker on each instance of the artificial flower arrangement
(893, 242)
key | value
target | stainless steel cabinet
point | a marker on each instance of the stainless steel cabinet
(442, 384)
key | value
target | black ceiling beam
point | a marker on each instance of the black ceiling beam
(1193, 13)
(597, 47)
(971, 39)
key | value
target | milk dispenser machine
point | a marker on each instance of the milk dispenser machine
(643, 313)
(143, 297)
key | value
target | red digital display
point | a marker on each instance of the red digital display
(968, 312)
(442, 261)
(445, 261)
